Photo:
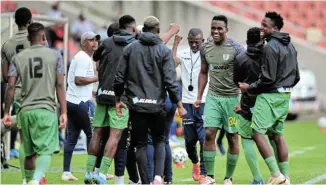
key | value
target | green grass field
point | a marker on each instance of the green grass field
(307, 151)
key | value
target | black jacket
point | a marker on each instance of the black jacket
(148, 70)
(279, 65)
(109, 54)
(247, 69)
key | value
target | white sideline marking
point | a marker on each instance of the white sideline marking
(302, 151)
(316, 179)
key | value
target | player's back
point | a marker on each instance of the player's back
(37, 67)
(10, 48)
(15, 44)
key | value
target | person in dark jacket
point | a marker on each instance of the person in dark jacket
(147, 72)
(105, 114)
(246, 69)
(121, 159)
(279, 74)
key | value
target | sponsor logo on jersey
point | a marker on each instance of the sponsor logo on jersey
(148, 101)
(105, 92)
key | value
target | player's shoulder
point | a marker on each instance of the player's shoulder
(82, 57)
(4, 44)
(8, 44)
(42, 49)
(203, 49)
(235, 45)
(241, 56)
(23, 53)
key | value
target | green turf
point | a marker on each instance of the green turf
(303, 166)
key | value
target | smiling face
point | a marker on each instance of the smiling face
(267, 27)
(218, 31)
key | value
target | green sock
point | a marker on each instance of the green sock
(272, 165)
(273, 144)
(231, 162)
(29, 175)
(251, 158)
(284, 168)
(105, 164)
(22, 160)
(91, 159)
(42, 165)
(209, 161)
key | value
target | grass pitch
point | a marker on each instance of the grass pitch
(307, 153)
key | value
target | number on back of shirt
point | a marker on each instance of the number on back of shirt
(35, 67)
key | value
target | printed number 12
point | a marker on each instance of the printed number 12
(35, 72)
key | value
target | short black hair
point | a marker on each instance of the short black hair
(23, 16)
(125, 21)
(193, 32)
(221, 18)
(34, 28)
(253, 35)
(114, 27)
(276, 18)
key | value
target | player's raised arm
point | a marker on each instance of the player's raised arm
(61, 93)
(177, 40)
(174, 29)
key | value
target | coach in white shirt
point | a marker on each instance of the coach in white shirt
(190, 62)
(81, 77)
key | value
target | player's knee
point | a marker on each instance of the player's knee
(210, 135)
(233, 140)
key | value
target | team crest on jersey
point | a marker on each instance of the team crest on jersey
(226, 56)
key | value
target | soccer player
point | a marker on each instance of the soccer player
(120, 161)
(193, 128)
(105, 114)
(217, 57)
(41, 71)
(246, 69)
(19, 41)
(147, 71)
(279, 74)
(80, 86)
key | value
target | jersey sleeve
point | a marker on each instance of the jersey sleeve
(202, 55)
(4, 59)
(237, 47)
(12, 68)
(60, 64)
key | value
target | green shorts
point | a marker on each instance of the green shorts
(17, 105)
(244, 128)
(219, 113)
(105, 116)
(40, 131)
(270, 112)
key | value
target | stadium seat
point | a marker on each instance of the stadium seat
(322, 44)
(11, 6)
(301, 13)
(271, 6)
